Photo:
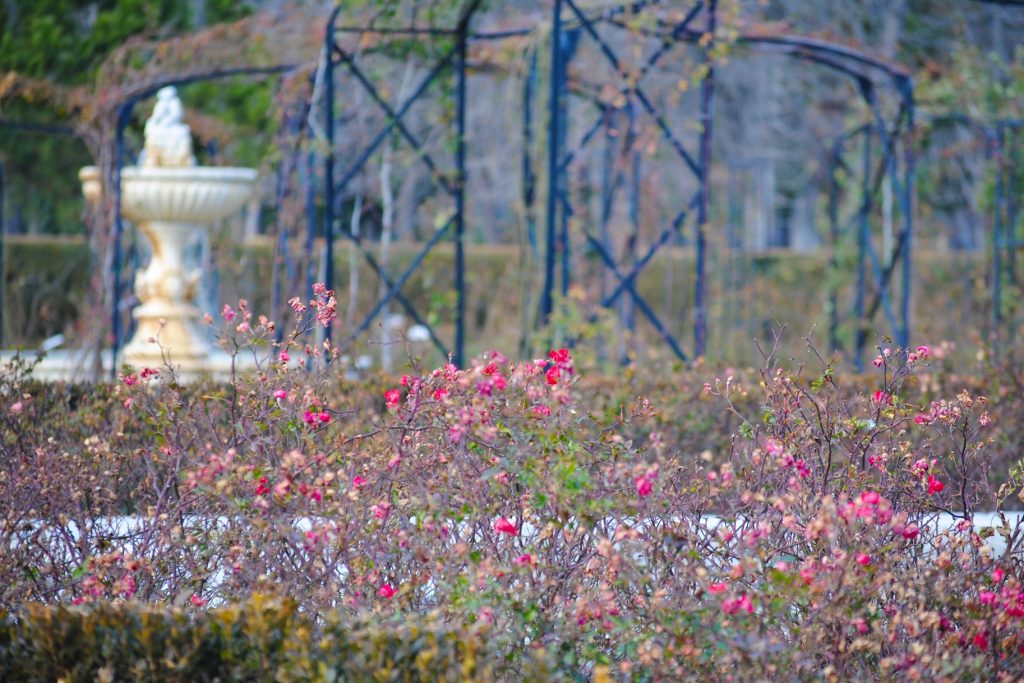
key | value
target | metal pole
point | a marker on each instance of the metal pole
(329, 161)
(1011, 201)
(997, 234)
(863, 234)
(529, 195)
(629, 309)
(310, 223)
(1011, 216)
(607, 180)
(554, 120)
(528, 175)
(706, 113)
(567, 52)
(460, 198)
(732, 313)
(123, 115)
(3, 263)
(908, 216)
(281, 245)
(833, 258)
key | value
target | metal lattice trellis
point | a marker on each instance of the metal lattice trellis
(883, 278)
(874, 292)
(570, 25)
(998, 143)
(452, 183)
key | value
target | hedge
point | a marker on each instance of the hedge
(749, 294)
(44, 286)
(263, 640)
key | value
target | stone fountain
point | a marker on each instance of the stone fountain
(170, 199)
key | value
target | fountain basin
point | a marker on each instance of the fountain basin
(193, 194)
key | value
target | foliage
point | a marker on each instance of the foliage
(64, 42)
(44, 281)
(832, 535)
(978, 83)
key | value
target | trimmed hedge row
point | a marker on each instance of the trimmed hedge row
(44, 287)
(260, 641)
(45, 281)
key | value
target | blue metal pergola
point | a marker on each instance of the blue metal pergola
(694, 23)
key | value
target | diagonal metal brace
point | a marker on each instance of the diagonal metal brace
(649, 64)
(634, 295)
(441, 178)
(663, 239)
(627, 284)
(609, 53)
(371, 148)
(395, 287)
(382, 274)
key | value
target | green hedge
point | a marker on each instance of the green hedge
(44, 286)
(748, 295)
(261, 641)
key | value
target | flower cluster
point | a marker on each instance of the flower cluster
(734, 531)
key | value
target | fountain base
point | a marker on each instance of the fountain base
(167, 332)
(74, 366)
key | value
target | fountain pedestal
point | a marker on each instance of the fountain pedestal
(167, 291)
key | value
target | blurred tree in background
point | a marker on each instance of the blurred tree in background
(64, 42)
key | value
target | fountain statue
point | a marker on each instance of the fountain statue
(170, 198)
(168, 137)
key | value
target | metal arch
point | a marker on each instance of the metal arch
(212, 75)
(815, 51)
(832, 56)
(803, 47)
(867, 72)
(867, 255)
(453, 186)
(811, 48)
(1004, 214)
(1004, 211)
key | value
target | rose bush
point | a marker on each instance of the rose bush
(787, 528)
